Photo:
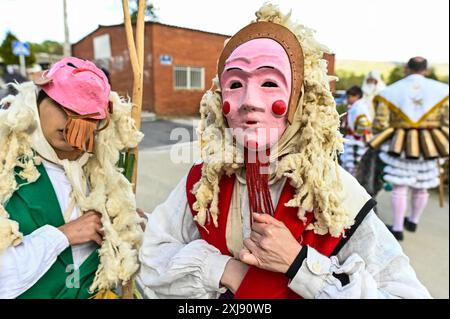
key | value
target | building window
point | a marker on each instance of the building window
(189, 78)
(102, 47)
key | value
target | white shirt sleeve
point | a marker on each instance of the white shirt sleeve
(22, 266)
(63, 189)
(372, 259)
(175, 262)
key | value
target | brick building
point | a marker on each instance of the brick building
(179, 64)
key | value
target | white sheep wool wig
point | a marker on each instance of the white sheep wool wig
(110, 193)
(310, 156)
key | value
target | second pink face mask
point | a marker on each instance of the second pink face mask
(256, 86)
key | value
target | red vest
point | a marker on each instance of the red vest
(259, 283)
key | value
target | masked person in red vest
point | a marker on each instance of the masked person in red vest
(68, 226)
(269, 213)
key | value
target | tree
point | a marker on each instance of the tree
(432, 74)
(150, 12)
(48, 46)
(7, 55)
(348, 79)
(396, 74)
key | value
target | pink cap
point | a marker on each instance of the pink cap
(79, 86)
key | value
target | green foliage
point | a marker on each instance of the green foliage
(432, 74)
(396, 74)
(348, 79)
(149, 12)
(48, 46)
(390, 71)
(7, 55)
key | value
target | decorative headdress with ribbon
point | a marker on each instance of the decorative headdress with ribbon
(308, 149)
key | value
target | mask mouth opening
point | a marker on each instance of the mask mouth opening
(251, 122)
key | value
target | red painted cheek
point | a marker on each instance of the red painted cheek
(279, 108)
(226, 108)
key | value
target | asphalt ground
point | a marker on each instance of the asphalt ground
(164, 132)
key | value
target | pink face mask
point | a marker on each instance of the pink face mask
(256, 86)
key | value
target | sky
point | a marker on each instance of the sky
(373, 30)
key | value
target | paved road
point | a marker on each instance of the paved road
(164, 132)
(160, 170)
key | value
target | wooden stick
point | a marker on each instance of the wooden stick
(441, 184)
(137, 64)
(130, 38)
(138, 83)
(140, 32)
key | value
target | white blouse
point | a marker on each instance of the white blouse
(177, 263)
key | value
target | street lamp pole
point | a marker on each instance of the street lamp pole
(67, 48)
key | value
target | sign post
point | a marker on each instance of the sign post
(23, 70)
(21, 49)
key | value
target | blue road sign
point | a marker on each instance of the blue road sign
(21, 48)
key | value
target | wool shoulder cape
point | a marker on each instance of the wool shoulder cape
(263, 284)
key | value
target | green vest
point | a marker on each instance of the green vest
(33, 206)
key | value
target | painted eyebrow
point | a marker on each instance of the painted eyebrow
(275, 70)
(231, 69)
(261, 67)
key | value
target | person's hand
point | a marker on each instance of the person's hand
(233, 274)
(84, 229)
(271, 245)
(141, 214)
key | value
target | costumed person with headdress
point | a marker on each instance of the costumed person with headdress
(370, 166)
(265, 213)
(68, 222)
(357, 125)
(411, 123)
(371, 86)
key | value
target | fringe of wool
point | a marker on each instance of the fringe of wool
(15, 125)
(313, 165)
(111, 193)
